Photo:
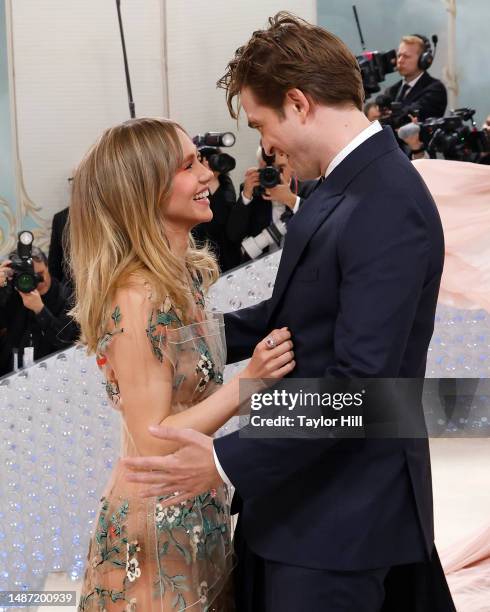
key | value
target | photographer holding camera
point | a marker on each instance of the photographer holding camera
(221, 200)
(33, 311)
(418, 92)
(269, 196)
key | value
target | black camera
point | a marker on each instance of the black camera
(452, 138)
(398, 116)
(269, 177)
(217, 161)
(374, 66)
(24, 278)
(208, 147)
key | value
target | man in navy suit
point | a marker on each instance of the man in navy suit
(325, 524)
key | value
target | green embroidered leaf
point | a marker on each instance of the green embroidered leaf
(184, 552)
(166, 318)
(116, 316)
(180, 602)
(116, 595)
(164, 549)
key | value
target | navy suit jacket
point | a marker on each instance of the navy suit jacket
(357, 286)
(428, 95)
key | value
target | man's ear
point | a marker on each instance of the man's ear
(299, 103)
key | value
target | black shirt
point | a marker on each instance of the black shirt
(51, 330)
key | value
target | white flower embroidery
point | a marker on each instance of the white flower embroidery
(169, 514)
(203, 592)
(131, 606)
(159, 513)
(197, 533)
(133, 570)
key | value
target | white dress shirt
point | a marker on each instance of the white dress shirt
(277, 207)
(372, 129)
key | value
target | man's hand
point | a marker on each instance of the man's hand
(251, 181)
(33, 301)
(281, 193)
(190, 470)
(5, 272)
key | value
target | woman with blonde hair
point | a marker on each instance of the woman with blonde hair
(140, 288)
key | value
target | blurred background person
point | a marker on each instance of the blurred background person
(58, 246)
(222, 199)
(371, 110)
(56, 256)
(37, 320)
(417, 92)
(259, 208)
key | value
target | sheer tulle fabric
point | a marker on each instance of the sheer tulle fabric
(143, 557)
(461, 191)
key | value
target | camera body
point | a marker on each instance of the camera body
(24, 278)
(374, 66)
(398, 116)
(217, 161)
(269, 177)
(208, 146)
(452, 138)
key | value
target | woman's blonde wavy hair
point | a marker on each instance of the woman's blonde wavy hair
(117, 227)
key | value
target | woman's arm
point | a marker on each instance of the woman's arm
(145, 382)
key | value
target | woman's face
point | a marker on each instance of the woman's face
(189, 204)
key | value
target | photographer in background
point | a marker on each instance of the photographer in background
(257, 208)
(417, 91)
(221, 199)
(454, 137)
(37, 320)
(57, 264)
(371, 110)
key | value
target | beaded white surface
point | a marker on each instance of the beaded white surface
(59, 437)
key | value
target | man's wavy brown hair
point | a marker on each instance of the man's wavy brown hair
(292, 53)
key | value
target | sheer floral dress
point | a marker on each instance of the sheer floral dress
(143, 557)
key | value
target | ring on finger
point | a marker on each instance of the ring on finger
(270, 342)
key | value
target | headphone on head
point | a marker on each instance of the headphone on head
(427, 56)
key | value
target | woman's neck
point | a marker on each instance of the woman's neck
(178, 241)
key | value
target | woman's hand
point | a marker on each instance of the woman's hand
(273, 357)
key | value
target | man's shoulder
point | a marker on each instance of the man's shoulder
(393, 89)
(426, 80)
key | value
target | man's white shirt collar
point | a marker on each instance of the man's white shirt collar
(372, 129)
(413, 81)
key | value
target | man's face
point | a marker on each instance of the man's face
(285, 135)
(42, 268)
(407, 60)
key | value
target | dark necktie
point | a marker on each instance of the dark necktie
(402, 92)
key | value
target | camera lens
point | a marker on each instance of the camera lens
(25, 282)
(270, 177)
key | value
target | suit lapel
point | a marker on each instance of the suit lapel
(322, 202)
(413, 92)
(301, 229)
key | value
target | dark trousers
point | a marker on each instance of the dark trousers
(267, 586)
